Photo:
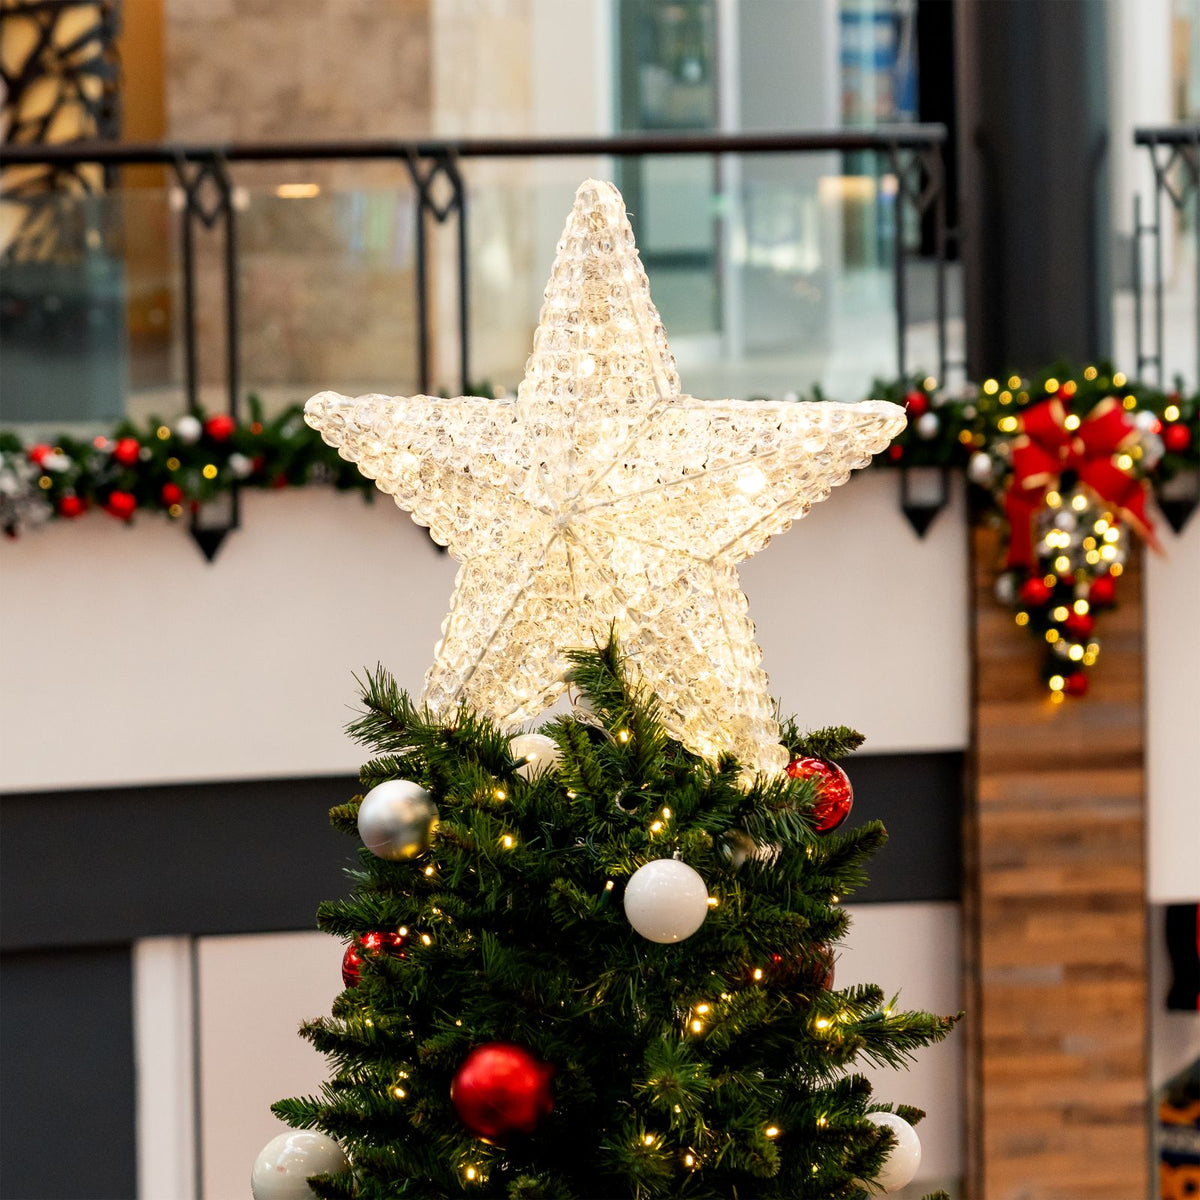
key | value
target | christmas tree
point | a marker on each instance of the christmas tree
(597, 960)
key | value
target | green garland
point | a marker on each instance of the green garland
(1076, 537)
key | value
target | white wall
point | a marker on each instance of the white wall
(131, 660)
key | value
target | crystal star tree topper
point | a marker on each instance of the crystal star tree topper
(604, 498)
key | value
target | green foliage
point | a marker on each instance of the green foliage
(721, 1066)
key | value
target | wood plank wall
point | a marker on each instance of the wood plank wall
(1056, 947)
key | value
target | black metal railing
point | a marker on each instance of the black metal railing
(912, 154)
(1175, 157)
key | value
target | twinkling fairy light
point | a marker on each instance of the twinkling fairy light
(602, 497)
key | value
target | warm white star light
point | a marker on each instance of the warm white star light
(602, 497)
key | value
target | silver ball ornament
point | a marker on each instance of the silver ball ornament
(928, 425)
(396, 819)
(904, 1158)
(188, 429)
(666, 900)
(536, 753)
(980, 469)
(284, 1164)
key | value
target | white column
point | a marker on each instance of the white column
(163, 1024)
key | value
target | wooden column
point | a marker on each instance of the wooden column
(1055, 904)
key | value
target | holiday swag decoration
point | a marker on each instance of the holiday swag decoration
(616, 975)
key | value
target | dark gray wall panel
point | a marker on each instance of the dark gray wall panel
(66, 1075)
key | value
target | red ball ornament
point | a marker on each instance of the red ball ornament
(835, 796)
(1080, 625)
(126, 451)
(121, 505)
(1103, 590)
(501, 1090)
(1034, 592)
(917, 403)
(1075, 684)
(71, 506)
(370, 944)
(1177, 437)
(220, 428)
(895, 452)
(172, 493)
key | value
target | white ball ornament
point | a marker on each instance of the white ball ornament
(666, 900)
(904, 1158)
(536, 753)
(980, 469)
(241, 466)
(928, 425)
(188, 429)
(284, 1164)
(396, 819)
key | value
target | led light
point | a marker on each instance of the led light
(1116, 569)
(209, 471)
(426, 940)
(1075, 653)
(428, 870)
(403, 931)
(1071, 421)
(822, 1122)
(666, 814)
(1089, 543)
(1050, 580)
(1129, 403)
(507, 841)
(1014, 381)
(1007, 424)
(172, 463)
(1081, 607)
(1171, 412)
(1070, 387)
(176, 510)
(648, 1140)
(1061, 612)
(834, 899)
(772, 1131)
(991, 387)
(1118, 379)
(162, 433)
(399, 1093)
(702, 1008)
(1079, 502)
(45, 482)
(1052, 636)
(1062, 564)
(1057, 697)
(1056, 683)
(1124, 462)
(1101, 525)
(500, 794)
(1090, 373)
(757, 974)
(656, 827)
(622, 735)
(1053, 499)
(608, 887)
(1108, 552)
(1051, 385)
(697, 1026)
(713, 902)
(689, 1160)
(821, 1023)
(965, 437)
(297, 191)
(1006, 397)
(1022, 618)
(929, 383)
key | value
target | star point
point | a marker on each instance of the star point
(602, 497)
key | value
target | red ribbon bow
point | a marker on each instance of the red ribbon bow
(1045, 448)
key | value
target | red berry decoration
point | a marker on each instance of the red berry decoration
(370, 944)
(501, 1090)
(172, 493)
(835, 796)
(1080, 625)
(121, 505)
(895, 452)
(1034, 592)
(71, 506)
(1103, 590)
(1075, 684)
(917, 403)
(40, 452)
(220, 428)
(1177, 437)
(126, 451)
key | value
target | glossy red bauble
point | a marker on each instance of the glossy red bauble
(1075, 684)
(895, 452)
(126, 451)
(1080, 625)
(917, 403)
(373, 944)
(121, 505)
(1034, 592)
(172, 493)
(501, 1090)
(1103, 590)
(220, 428)
(71, 506)
(1177, 437)
(834, 795)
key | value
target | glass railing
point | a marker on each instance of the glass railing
(774, 273)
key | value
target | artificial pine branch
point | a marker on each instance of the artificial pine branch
(673, 1061)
